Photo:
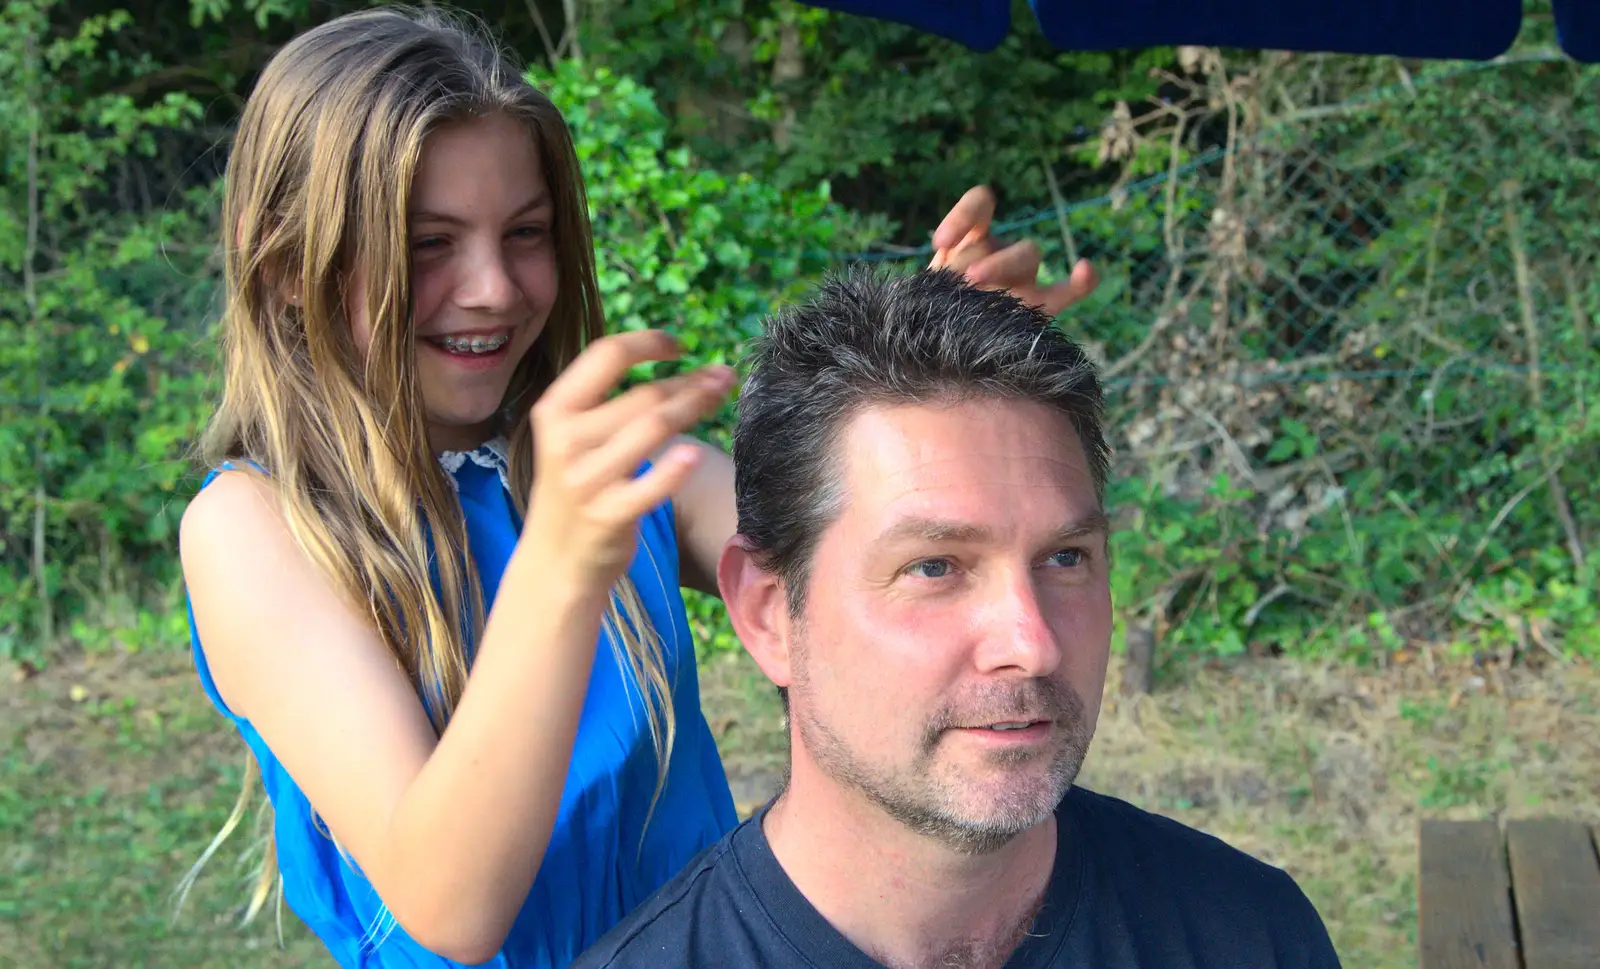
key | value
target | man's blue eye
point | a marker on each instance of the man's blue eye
(1068, 558)
(931, 568)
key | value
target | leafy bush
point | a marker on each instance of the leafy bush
(100, 388)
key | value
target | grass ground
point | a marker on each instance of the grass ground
(114, 774)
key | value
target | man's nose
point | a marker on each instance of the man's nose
(1018, 633)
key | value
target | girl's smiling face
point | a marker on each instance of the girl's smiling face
(483, 271)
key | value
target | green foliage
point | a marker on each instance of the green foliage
(1392, 480)
(263, 12)
(1542, 598)
(1460, 785)
(902, 122)
(683, 247)
(98, 390)
(96, 841)
(1412, 439)
(680, 246)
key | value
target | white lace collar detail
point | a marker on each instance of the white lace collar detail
(490, 454)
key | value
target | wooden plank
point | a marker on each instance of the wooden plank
(1556, 878)
(1464, 918)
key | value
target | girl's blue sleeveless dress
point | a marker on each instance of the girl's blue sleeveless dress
(603, 859)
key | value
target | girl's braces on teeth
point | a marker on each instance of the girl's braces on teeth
(476, 344)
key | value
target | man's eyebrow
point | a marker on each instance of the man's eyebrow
(425, 215)
(1095, 523)
(946, 530)
(934, 530)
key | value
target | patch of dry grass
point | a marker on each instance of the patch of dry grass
(110, 790)
(1327, 772)
(114, 774)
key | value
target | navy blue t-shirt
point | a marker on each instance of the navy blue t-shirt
(1129, 889)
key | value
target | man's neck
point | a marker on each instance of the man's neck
(898, 896)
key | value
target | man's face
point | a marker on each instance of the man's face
(951, 654)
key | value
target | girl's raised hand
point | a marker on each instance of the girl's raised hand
(588, 446)
(963, 244)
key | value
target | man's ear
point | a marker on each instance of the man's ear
(758, 609)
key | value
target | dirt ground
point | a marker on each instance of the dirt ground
(116, 773)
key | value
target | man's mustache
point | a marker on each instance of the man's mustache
(1022, 701)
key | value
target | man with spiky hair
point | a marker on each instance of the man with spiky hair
(921, 569)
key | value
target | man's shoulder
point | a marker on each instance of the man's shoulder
(1156, 830)
(1199, 867)
(663, 931)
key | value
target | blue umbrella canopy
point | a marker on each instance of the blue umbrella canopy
(1449, 29)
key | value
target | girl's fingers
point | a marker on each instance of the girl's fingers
(1015, 267)
(618, 457)
(968, 220)
(596, 426)
(590, 379)
(633, 499)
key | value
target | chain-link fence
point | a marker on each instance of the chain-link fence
(1352, 372)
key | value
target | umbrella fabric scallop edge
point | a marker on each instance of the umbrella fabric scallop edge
(1437, 29)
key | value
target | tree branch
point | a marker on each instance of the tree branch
(30, 292)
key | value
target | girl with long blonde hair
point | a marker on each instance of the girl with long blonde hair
(436, 562)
